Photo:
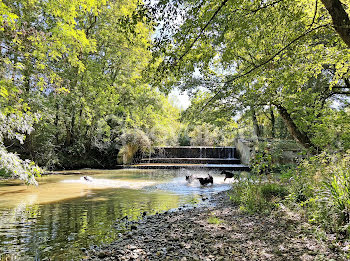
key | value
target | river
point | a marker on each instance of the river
(66, 213)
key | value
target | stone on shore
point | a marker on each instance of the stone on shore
(187, 234)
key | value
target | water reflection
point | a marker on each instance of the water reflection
(63, 214)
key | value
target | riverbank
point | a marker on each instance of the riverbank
(219, 231)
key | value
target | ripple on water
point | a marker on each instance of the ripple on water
(58, 228)
(181, 187)
(111, 183)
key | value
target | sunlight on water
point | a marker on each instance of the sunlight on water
(67, 212)
(110, 183)
(60, 187)
(178, 185)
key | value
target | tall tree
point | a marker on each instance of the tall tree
(264, 52)
(340, 18)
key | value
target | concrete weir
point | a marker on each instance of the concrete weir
(221, 158)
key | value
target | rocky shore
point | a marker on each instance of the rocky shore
(219, 231)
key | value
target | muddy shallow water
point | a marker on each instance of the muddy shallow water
(66, 213)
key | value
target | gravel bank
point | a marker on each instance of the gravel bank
(218, 232)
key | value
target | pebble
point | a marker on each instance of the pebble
(102, 254)
(185, 234)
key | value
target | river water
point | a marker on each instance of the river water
(66, 213)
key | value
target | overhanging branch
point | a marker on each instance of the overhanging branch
(340, 18)
(201, 32)
(263, 63)
(212, 18)
(342, 93)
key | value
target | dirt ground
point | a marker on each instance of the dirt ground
(219, 231)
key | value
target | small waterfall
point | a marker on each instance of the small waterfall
(219, 158)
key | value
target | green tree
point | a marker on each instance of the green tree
(80, 65)
(33, 34)
(261, 53)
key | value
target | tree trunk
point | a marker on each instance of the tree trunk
(70, 129)
(273, 121)
(293, 129)
(340, 18)
(256, 130)
(72, 125)
(68, 140)
(56, 122)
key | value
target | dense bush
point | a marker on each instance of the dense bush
(184, 138)
(16, 126)
(207, 134)
(262, 160)
(257, 195)
(268, 156)
(321, 187)
(12, 166)
(133, 141)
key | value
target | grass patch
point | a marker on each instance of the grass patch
(321, 188)
(256, 196)
(215, 220)
(270, 191)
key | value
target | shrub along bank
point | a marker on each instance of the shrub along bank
(318, 188)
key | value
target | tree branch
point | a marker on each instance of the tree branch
(263, 7)
(340, 18)
(87, 31)
(212, 18)
(201, 32)
(265, 62)
(342, 93)
(275, 55)
(313, 19)
(347, 83)
(340, 87)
